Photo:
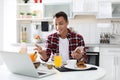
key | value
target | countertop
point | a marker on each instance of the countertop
(88, 45)
(103, 45)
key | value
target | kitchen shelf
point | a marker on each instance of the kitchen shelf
(29, 19)
(28, 4)
(29, 44)
(44, 12)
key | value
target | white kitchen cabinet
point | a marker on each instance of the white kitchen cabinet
(115, 0)
(56, 1)
(110, 61)
(117, 68)
(85, 7)
(37, 12)
(110, 0)
(107, 62)
(49, 9)
(104, 9)
(78, 5)
(24, 21)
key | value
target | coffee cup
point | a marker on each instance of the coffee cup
(71, 63)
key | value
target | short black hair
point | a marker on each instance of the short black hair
(61, 13)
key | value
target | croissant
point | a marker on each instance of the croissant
(81, 64)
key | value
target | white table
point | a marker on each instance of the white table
(98, 74)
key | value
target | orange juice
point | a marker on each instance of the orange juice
(33, 56)
(57, 61)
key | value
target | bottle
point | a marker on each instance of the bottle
(23, 48)
(36, 36)
(23, 35)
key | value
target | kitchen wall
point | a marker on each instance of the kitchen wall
(83, 26)
(9, 24)
(86, 25)
(1, 27)
(90, 27)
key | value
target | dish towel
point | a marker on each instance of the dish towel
(63, 69)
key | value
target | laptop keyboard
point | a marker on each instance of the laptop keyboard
(40, 73)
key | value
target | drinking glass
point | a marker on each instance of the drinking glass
(33, 56)
(58, 61)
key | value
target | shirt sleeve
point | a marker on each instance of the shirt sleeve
(48, 48)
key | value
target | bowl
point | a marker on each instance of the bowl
(36, 64)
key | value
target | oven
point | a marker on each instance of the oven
(93, 55)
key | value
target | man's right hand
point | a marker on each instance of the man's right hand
(38, 48)
(41, 52)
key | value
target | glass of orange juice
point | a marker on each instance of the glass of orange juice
(33, 56)
(58, 61)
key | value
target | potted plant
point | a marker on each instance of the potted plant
(22, 14)
(25, 1)
(29, 15)
(34, 15)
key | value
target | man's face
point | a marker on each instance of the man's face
(60, 25)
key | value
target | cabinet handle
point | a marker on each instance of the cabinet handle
(114, 60)
(115, 64)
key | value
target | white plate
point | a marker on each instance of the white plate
(77, 68)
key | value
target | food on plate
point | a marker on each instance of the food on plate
(37, 37)
(49, 66)
(81, 64)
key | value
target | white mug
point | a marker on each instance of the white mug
(71, 63)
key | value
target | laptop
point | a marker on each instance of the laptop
(21, 64)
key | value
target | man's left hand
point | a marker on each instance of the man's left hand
(77, 53)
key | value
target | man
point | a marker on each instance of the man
(63, 42)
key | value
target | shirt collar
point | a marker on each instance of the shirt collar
(68, 35)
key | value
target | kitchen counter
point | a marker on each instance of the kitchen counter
(16, 47)
(88, 45)
(103, 45)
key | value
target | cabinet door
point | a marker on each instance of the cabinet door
(107, 62)
(85, 6)
(117, 77)
(51, 9)
(104, 9)
(90, 6)
(56, 1)
(78, 5)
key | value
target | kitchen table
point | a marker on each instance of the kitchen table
(98, 74)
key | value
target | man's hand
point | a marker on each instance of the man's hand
(77, 53)
(41, 52)
(38, 48)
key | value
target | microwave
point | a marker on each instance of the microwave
(49, 9)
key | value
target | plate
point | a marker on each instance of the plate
(77, 68)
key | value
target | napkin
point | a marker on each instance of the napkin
(63, 69)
